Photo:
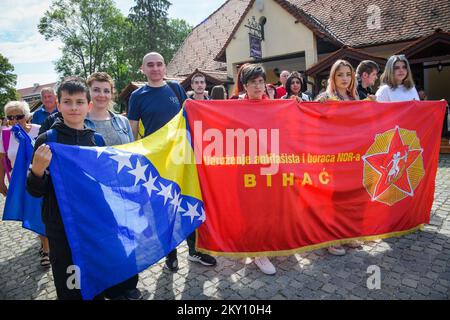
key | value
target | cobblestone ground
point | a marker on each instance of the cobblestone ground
(416, 266)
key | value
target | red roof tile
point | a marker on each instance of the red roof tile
(207, 39)
(31, 91)
(342, 22)
(400, 20)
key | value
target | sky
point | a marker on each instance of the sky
(33, 57)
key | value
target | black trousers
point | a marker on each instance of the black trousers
(191, 245)
(61, 261)
(119, 289)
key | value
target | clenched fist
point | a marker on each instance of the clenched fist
(41, 160)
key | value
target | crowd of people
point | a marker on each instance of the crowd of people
(80, 113)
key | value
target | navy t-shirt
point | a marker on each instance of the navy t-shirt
(155, 106)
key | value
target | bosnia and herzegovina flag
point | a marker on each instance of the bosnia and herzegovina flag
(19, 204)
(126, 207)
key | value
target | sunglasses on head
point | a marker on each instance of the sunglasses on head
(18, 117)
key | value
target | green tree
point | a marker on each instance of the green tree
(177, 32)
(152, 30)
(93, 36)
(7, 82)
(148, 19)
(97, 37)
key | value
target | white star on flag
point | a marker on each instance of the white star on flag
(203, 216)
(123, 160)
(176, 202)
(99, 150)
(138, 172)
(191, 212)
(150, 184)
(165, 192)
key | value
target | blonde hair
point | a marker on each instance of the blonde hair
(331, 88)
(388, 75)
(22, 105)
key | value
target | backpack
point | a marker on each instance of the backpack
(174, 88)
(52, 136)
(6, 137)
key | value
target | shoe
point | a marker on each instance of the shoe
(355, 244)
(45, 259)
(336, 250)
(265, 265)
(133, 294)
(171, 263)
(204, 259)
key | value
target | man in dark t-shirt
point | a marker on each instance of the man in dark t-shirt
(367, 74)
(155, 104)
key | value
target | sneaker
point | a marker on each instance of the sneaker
(336, 250)
(171, 263)
(355, 244)
(204, 259)
(133, 294)
(265, 265)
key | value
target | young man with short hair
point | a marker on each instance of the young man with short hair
(367, 74)
(198, 84)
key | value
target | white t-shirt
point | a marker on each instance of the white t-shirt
(14, 144)
(388, 94)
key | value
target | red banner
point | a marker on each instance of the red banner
(280, 177)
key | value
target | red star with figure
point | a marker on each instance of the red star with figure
(392, 166)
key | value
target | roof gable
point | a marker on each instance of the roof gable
(437, 43)
(345, 53)
(350, 21)
(206, 40)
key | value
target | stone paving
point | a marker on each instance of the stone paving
(416, 266)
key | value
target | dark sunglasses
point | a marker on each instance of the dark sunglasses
(18, 117)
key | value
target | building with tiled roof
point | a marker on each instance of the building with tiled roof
(400, 21)
(301, 34)
(206, 40)
(32, 95)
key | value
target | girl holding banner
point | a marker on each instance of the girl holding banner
(341, 87)
(397, 83)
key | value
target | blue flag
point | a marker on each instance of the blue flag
(126, 207)
(19, 204)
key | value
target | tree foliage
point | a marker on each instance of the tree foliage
(152, 30)
(7, 82)
(92, 34)
(97, 37)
